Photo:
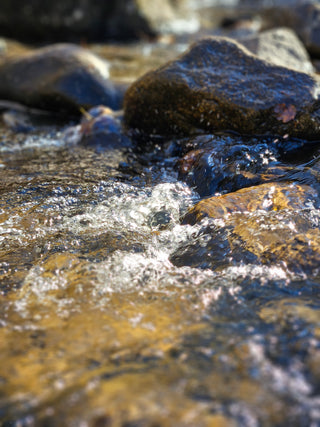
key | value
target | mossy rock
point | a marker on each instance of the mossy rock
(219, 85)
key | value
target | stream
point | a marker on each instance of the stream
(99, 328)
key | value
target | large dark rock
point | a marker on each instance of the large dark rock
(219, 85)
(62, 78)
(71, 20)
(227, 163)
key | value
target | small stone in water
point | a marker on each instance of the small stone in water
(160, 220)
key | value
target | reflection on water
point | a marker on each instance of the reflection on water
(100, 328)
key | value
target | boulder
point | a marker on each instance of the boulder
(280, 46)
(267, 197)
(61, 78)
(303, 16)
(266, 224)
(219, 85)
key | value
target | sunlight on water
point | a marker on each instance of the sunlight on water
(114, 310)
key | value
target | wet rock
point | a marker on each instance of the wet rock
(300, 253)
(268, 197)
(101, 128)
(213, 248)
(61, 78)
(227, 163)
(219, 85)
(282, 47)
(267, 224)
(93, 20)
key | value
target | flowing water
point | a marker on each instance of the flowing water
(99, 328)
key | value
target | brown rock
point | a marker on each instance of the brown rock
(268, 197)
(219, 85)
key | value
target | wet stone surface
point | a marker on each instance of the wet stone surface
(219, 85)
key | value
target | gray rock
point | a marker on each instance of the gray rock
(62, 78)
(219, 85)
(307, 23)
(303, 16)
(282, 47)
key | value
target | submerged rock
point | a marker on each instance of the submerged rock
(226, 163)
(266, 224)
(219, 85)
(62, 78)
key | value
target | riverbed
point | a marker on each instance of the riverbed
(98, 327)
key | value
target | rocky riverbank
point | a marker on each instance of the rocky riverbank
(159, 207)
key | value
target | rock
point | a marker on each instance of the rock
(301, 253)
(100, 128)
(280, 46)
(268, 197)
(212, 248)
(219, 85)
(227, 163)
(61, 78)
(302, 16)
(307, 23)
(266, 224)
(75, 21)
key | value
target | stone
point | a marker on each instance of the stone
(268, 197)
(280, 46)
(226, 163)
(100, 128)
(302, 16)
(62, 78)
(75, 21)
(307, 23)
(219, 85)
(219, 164)
(266, 224)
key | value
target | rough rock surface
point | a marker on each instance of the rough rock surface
(63, 78)
(217, 85)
